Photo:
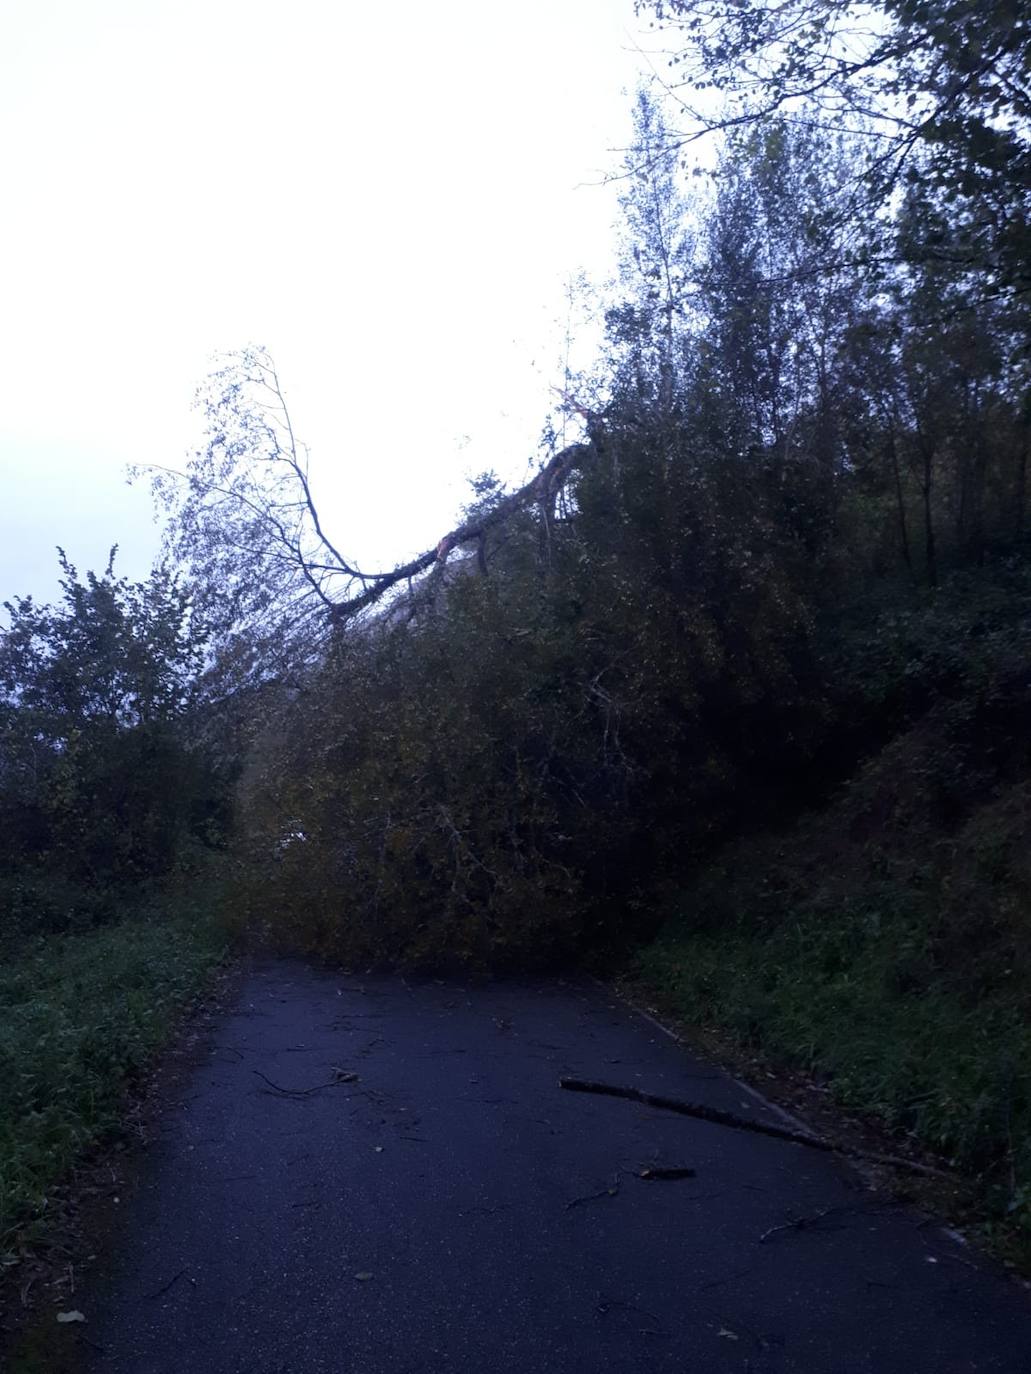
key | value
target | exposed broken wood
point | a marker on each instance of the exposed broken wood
(542, 488)
(740, 1123)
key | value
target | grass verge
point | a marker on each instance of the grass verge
(82, 1016)
(831, 998)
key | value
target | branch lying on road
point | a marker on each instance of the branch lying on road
(695, 1109)
(306, 1092)
(740, 1123)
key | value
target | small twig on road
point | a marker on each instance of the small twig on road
(300, 1092)
(799, 1223)
(740, 1123)
(171, 1284)
(702, 1113)
(666, 1174)
(611, 1191)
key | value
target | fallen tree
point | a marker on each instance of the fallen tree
(242, 517)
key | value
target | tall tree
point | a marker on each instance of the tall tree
(939, 92)
(648, 328)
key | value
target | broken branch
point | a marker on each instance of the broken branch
(701, 1113)
(302, 1092)
(548, 481)
(739, 1123)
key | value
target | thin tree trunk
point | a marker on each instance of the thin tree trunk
(1020, 495)
(907, 556)
(930, 548)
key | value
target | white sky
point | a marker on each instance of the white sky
(388, 195)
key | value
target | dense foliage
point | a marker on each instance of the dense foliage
(104, 780)
(882, 942)
(111, 796)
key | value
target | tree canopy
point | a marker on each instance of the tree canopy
(936, 98)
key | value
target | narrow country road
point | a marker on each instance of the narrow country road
(453, 1210)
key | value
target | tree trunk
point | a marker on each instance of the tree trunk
(1020, 495)
(900, 502)
(930, 549)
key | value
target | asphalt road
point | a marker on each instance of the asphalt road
(453, 1210)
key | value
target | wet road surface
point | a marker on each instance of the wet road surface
(451, 1209)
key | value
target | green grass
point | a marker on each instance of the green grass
(81, 1016)
(852, 997)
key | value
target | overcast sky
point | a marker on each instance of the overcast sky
(389, 196)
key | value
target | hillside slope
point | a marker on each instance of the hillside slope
(883, 941)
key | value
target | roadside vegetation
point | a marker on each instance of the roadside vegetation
(83, 1015)
(113, 811)
(881, 943)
